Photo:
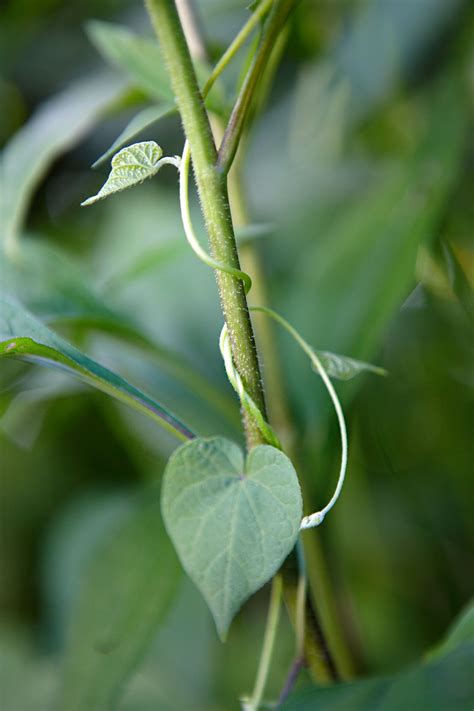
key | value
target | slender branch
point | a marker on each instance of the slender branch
(300, 625)
(212, 192)
(291, 680)
(188, 19)
(268, 644)
(316, 650)
(275, 22)
(260, 12)
(299, 660)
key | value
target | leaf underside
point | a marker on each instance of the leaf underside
(345, 368)
(232, 522)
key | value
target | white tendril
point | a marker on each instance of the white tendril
(314, 519)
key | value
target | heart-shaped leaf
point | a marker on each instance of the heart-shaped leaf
(233, 522)
(130, 166)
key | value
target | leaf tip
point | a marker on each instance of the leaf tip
(222, 630)
(89, 201)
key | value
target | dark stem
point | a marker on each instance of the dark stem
(312, 621)
(293, 674)
(316, 650)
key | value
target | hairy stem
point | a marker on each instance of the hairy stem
(212, 190)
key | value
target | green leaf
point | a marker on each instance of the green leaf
(23, 336)
(130, 166)
(58, 291)
(125, 595)
(233, 522)
(345, 368)
(28, 681)
(461, 631)
(147, 262)
(140, 58)
(445, 684)
(56, 126)
(142, 120)
(50, 284)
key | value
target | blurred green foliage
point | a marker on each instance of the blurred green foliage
(362, 164)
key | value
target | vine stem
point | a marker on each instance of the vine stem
(212, 190)
(268, 644)
(203, 151)
(324, 635)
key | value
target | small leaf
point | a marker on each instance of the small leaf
(233, 522)
(142, 120)
(130, 166)
(126, 593)
(345, 368)
(23, 336)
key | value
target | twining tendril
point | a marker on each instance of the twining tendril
(316, 518)
(189, 229)
(248, 403)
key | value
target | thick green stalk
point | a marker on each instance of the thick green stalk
(212, 190)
